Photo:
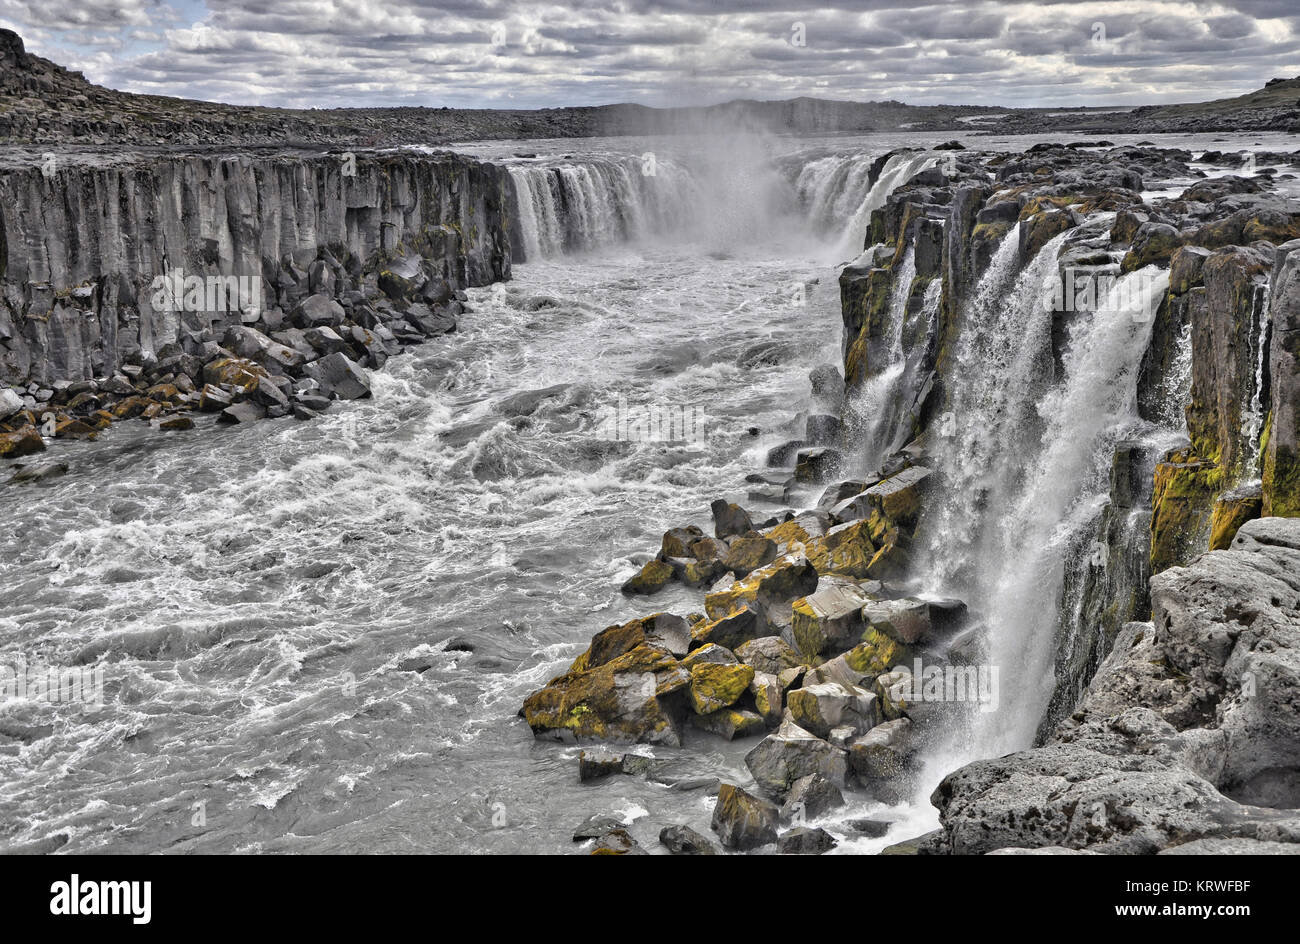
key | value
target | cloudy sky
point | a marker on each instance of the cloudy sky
(509, 53)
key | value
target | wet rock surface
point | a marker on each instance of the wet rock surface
(1188, 733)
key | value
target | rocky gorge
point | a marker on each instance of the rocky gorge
(1029, 559)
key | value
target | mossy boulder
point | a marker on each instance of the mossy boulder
(652, 578)
(710, 653)
(1039, 225)
(730, 519)
(743, 821)
(730, 723)
(845, 550)
(627, 699)
(716, 685)
(1153, 244)
(769, 697)
(677, 541)
(768, 654)
(22, 442)
(876, 654)
(830, 618)
(740, 626)
(820, 708)
(774, 586)
(748, 553)
(245, 375)
(664, 630)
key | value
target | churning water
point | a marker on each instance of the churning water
(316, 636)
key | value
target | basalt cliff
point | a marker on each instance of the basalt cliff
(251, 285)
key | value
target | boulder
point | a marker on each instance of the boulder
(818, 464)
(10, 403)
(907, 620)
(863, 663)
(339, 377)
(652, 578)
(745, 624)
(789, 753)
(729, 723)
(829, 618)
(774, 586)
(625, 699)
(682, 840)
(316, 310)
(22, 442)
(677, 542)
(714, 685)
(729, 519)
(710, 652)
(769, 697)
(804, 841)
(748, 553)
(243, 412)
(819, 708)
(598, 764)
(598, 825)
(770, 654)
(882, 759)
(743, 821)
(662, 630)
(809, 798)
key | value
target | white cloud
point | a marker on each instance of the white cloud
(664, 52)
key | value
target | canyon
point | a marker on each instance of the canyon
(986, 538)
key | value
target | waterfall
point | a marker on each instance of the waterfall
(1025, 456)
(573, 206)
(832, 188)
(578, 207)
(884, 400)
(839, 188)
(1254, 409)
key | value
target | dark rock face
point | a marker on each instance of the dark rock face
(196, 245)
(1188, 731)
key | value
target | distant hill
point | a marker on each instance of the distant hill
(44, 104)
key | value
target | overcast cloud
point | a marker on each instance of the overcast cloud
(510, 54)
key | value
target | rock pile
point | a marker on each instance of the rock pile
(799, 644)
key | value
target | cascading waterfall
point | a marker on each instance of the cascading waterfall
(883, 400)
(1252, 420)
(899, 169)
(1026, 459)
(1178, 389)
(576, 207)
(598, 201)
(834, 189)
